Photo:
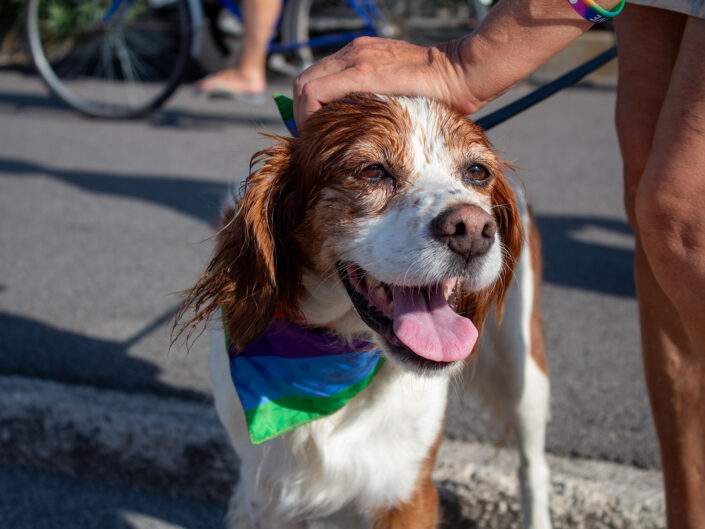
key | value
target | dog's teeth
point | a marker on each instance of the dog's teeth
(381, 293)
(372, 282)
(391, 306)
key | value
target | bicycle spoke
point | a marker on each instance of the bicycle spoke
(126, 65)
(121, 67)
(150, 46)
(73, 65)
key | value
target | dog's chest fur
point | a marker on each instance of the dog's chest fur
(362, 459)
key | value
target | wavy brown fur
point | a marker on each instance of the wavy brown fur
(254, 270)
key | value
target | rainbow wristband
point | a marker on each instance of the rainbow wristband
(591, 12)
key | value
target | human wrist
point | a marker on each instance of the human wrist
(514, 40)
(509, 45)
(487, 69)
(459, 92)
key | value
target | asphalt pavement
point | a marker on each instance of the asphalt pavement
(39, 500)
(102, 224)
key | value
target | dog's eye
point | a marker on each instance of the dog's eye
(476, 173)
(377, 172)
(374, 171)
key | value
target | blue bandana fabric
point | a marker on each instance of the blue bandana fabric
(293, 375)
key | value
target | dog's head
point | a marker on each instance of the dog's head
(386, 217)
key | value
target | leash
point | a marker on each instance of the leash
(544, 92)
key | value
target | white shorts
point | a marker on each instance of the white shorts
(694, 8)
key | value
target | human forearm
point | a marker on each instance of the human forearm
(517, 37)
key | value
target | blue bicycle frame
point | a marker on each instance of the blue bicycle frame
(366, 10)
(114, 7)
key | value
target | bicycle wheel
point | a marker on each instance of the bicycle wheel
(110, 58)
(309, 22)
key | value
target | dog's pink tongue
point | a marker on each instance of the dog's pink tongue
(427, 325)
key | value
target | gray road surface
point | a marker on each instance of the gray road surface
(101, 223)
(38, 500)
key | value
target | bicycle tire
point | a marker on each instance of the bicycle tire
(294, 27)
(119, 69)
(417, 21)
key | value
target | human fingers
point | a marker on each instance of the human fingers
(317, 92)
(306, 97)
(382, 66)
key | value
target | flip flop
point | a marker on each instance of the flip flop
(220, 92)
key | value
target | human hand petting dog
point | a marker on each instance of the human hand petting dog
(466, 74)
(382, 66)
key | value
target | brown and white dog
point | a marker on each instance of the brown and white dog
(379, 217)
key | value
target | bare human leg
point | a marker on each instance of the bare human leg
(249, 76)
(661, 126)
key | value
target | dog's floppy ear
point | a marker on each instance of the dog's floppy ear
(476, 305)
(254, 270)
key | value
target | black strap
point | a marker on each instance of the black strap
(546, 91)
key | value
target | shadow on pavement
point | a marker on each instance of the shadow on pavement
(35, 349)
(45, 501)
(184, 119)
(20, 101)
(452, 516)
(200, 199)
(165, 117)
(570, 260)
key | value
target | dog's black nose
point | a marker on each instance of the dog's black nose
(467, 229)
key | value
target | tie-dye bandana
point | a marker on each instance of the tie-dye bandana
(293, 375)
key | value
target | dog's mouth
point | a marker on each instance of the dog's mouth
(418, 324)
